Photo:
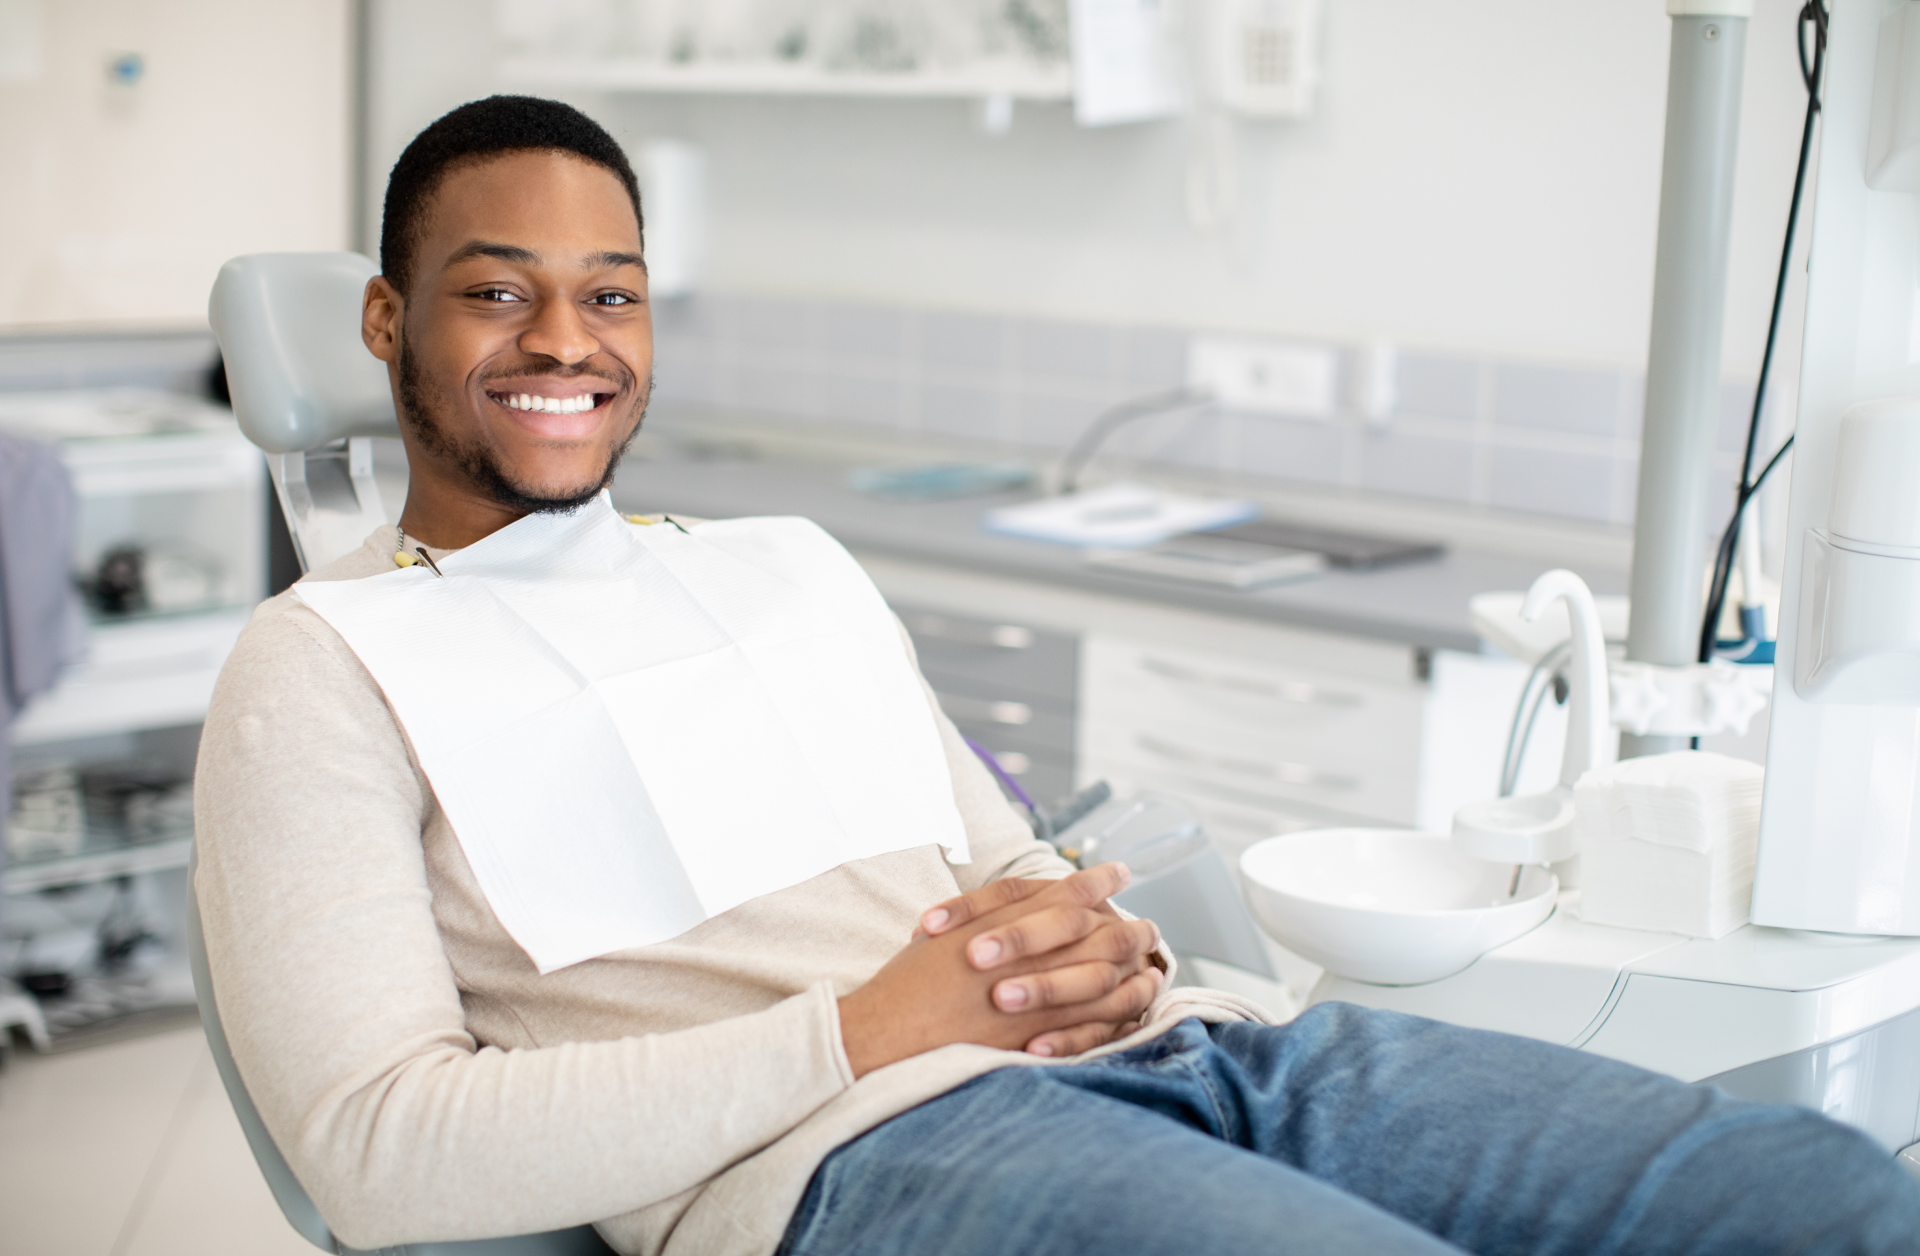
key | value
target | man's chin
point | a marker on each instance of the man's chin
(543, 499)
(546, 496)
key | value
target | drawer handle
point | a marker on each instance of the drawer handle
(1017, 714)
(1296, 691)
(1000, 636)
(1266, 769)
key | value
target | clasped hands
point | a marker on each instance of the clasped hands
(1042, 966)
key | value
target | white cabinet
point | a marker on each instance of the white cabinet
(172, 498)
(1261, 728)
(1264, 743)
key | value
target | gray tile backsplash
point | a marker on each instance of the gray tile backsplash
(976, 343)
(1046, 349)
(1438, 387)
(1417, 466)
(1485, 431)
(1291, 449)
(1551, 482)
(1153, 359)
(972, 411)
(1577, 401)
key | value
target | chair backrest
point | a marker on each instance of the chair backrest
(293, 1199)
(305, 389)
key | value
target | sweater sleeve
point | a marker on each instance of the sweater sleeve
(345, 1019)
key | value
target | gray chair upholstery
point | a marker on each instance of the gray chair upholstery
(305, 389)
(308, 393)
(300, 1211)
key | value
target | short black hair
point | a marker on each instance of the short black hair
(474, 132)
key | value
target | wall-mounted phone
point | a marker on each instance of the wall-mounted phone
(1258, 58)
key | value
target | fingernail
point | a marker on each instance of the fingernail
(986, 950)
(1126, 876)
(1041, 1048)
(935, 919)
(1013, 997)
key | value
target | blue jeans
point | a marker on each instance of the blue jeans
(1351, 1130)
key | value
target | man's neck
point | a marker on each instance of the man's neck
(451, 518)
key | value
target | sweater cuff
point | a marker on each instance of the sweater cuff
(836, 1044)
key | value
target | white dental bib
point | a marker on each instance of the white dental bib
(635, 728)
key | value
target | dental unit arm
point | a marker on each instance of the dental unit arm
(1538, 828)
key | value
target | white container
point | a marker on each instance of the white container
(1388, 906)
(1859, 621)
(1876, 477)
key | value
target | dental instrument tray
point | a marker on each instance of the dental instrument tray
(1264, 552)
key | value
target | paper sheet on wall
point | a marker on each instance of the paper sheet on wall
(633, 729)
(1126, 61)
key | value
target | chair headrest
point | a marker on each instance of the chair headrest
(289, 330)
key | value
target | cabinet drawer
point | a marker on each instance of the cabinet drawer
(1029, 725)
(1391, 748)
(1047, 776)
(993, 655)
(1244, 695)
(1386, 791)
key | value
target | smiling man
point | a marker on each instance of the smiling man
(598, 871)
(520, 374)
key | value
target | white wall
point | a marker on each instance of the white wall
(1481, 175)
(121, 203)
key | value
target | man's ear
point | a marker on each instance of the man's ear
(380, 312)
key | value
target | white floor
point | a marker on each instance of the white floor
(130, 1149)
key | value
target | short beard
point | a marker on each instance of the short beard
(481, 466)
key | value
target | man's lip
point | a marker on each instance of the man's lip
(550, 386)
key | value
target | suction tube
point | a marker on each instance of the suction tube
(1589, 729)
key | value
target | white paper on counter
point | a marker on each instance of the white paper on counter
(1123, 515)
(633, 729)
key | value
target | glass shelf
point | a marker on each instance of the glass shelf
(103, 855)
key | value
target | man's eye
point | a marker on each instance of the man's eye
(610, 298)
(497, 294)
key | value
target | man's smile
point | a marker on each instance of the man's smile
(557, 398)
(556, 409)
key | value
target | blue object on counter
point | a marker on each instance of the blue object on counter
(938, 481)
(1753, 646)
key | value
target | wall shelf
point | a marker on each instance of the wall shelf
(101, 864)
(1015, 78)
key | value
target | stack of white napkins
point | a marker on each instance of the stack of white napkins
(1667, 842)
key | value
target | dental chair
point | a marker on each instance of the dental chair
(308, 393)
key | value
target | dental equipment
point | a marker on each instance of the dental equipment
(1790, 1007)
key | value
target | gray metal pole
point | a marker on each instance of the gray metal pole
(1670, 523)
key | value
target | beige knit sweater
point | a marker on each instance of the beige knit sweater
(425, 1082)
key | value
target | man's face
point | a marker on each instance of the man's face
(522, 355)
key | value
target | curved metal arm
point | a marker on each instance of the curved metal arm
(1589, 731)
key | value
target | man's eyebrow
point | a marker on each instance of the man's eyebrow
(602, 260)
(503, 252)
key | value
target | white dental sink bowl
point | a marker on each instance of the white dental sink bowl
(1388, 906)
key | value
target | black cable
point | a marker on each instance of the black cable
(1545, 670)
(1729, 542)
(1107, 421)
(1813, 14)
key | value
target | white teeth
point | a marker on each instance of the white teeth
(548, 405)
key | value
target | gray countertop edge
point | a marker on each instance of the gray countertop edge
(1420, 605)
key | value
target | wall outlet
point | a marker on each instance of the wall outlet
(1266, 376)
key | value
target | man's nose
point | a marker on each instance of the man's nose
(559, 332)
